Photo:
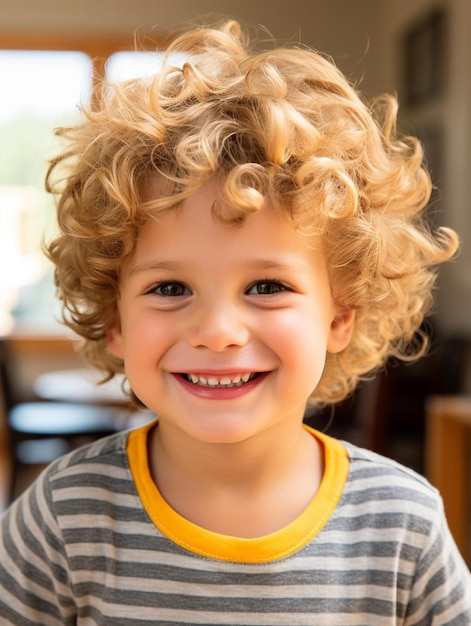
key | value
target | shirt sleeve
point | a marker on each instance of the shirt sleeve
(441, 593)
(34, 582)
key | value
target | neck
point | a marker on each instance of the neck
(245, 489)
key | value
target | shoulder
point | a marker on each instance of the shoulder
(109, 451)
(85, 478)
(403, 516)
(383, 494)
(387, 478)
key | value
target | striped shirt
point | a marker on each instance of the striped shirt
(92, 542)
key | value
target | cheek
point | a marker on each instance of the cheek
(145, 336)
(299, 337)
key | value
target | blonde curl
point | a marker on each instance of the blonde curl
(281, 124)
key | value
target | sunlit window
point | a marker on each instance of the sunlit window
(40, 91)
(125, 65)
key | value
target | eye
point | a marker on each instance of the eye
(266, 288)
(170, 289)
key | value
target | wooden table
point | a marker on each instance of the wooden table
(448, 464)
(80, 385)
(48, 366)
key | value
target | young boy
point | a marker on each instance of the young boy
(240, 236)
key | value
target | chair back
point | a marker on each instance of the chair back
(8, 392)
(6, 450)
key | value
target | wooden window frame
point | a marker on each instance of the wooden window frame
(98, 47)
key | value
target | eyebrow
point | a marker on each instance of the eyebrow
(156, 265)
(175, 266)
(269, 265)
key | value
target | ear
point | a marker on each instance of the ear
(114, 338)
(341, 330)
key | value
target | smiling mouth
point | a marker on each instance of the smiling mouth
(220, 382)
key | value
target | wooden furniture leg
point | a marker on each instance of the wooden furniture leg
(447, 459)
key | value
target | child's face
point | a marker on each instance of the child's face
(224, 329)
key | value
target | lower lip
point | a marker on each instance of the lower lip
(221, 393)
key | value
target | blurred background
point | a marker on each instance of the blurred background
(50, 51)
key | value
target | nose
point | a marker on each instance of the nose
(218, 326)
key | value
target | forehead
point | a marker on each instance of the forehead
(190, 232)
(206, 210)
(230, 203)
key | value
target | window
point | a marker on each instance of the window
(126, 65)
(43, 90)
(42, 85)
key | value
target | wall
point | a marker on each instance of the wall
(452, 112)
(324, 24)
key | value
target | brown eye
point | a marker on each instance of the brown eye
(171, 290)
(266, 288)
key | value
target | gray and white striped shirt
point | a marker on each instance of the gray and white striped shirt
(93, 543)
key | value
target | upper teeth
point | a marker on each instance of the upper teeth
(223, 381)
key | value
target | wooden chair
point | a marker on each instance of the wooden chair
(37, 432)
(6, 456)
(448, 467)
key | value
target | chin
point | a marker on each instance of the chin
(224, 432)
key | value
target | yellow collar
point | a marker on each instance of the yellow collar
(277, 545)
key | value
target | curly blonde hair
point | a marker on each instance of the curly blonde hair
(282, 124)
